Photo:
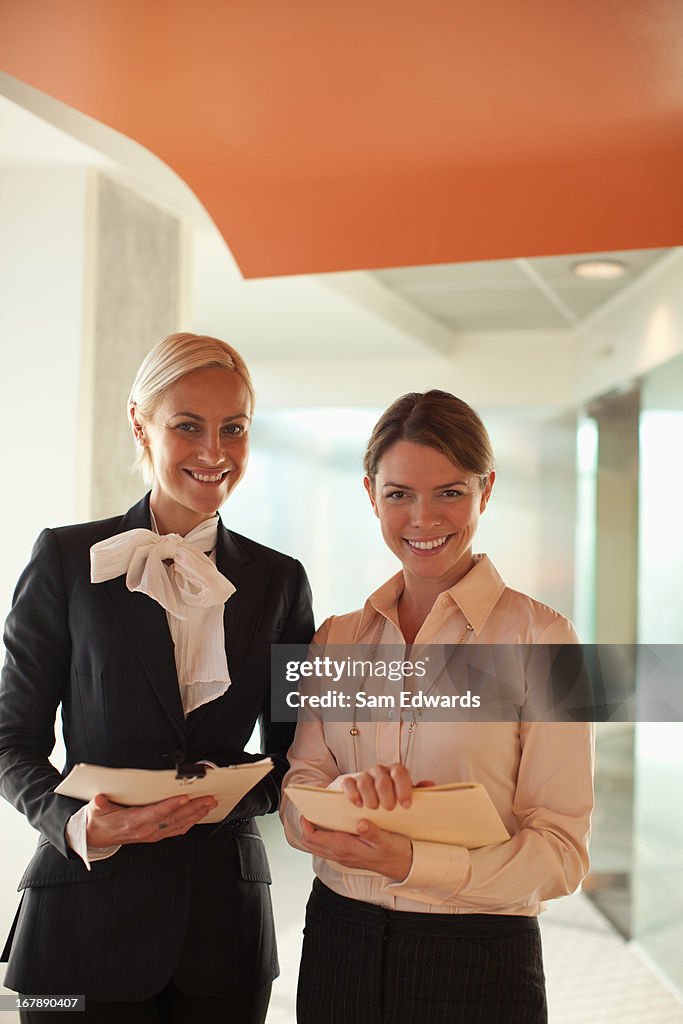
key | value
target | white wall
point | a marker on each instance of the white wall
(42, 212)
(526, 369)
(43, 215)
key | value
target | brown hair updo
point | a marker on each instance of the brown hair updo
(437, 420)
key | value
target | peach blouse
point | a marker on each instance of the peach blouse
(538, 774)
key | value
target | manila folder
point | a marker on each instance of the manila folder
(460, 813)
(136, 786)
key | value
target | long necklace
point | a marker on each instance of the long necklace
(417, 712)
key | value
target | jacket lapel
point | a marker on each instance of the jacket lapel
(147, 627)
(243, 610)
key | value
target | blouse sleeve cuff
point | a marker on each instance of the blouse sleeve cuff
(438, 872)
(77, 838)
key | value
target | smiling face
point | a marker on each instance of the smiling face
(199, 444)
(429, 510)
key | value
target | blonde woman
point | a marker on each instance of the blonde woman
(430, 932)
(152, 632)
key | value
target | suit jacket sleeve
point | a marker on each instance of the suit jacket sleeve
(276, 737)
(34, 681)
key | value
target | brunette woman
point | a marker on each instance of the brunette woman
(416, 932)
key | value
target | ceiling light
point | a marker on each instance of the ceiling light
(599, 270)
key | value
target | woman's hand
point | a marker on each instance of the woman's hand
(381, 786)
(112, 824)
(373, 848)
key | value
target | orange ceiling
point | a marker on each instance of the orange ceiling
(369, 133)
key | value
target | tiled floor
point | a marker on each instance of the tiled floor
(594, 977)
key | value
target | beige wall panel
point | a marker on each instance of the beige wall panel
(137, 257)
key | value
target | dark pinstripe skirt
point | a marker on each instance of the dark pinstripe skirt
(362, 964)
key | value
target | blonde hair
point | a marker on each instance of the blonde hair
(437, 420)
(171, 359)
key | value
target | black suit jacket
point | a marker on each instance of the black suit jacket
(194, 908)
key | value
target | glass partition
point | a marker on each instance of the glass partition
(658, 874)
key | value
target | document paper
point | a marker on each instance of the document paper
(133, 787)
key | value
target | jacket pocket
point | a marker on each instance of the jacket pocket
(251, 856)
(49, 867)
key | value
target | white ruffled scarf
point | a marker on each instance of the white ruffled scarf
(190, 588)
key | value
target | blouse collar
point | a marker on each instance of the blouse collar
(476, 595)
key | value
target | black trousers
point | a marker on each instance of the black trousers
(362, 964)
(169, 1007)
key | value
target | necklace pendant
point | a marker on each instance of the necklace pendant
(354, 732)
